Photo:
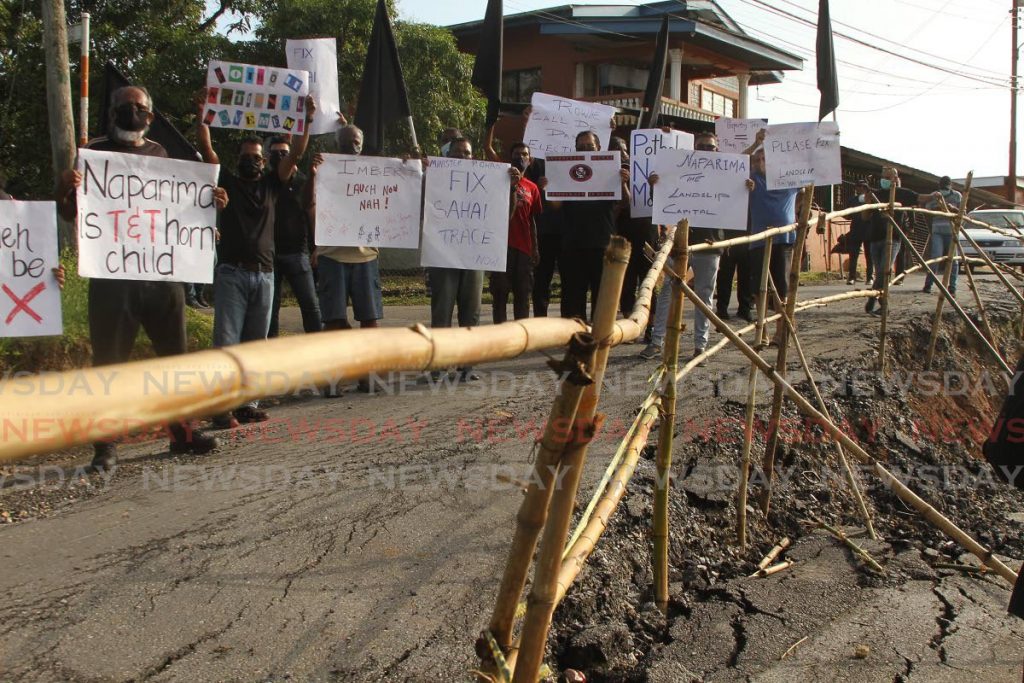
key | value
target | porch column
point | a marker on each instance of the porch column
(744, 80)
(675, 80)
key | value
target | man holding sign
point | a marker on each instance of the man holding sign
(118, 307)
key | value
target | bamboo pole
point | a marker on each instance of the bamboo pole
(660, 530)
(542, 600)
(851, 478)
(982, 311)
(886, 275)
(774, 553)
(848, 542)
(898, 487)
(947, 275)
(748, 422)
(768, 464)
(533, 511)
(774, 569)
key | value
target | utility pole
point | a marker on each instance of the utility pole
(58, 95)
(1011, 180)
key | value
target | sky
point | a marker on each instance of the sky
(946, 111)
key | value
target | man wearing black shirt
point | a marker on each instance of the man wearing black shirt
(117, 308)
(293, 233)
(243, 283)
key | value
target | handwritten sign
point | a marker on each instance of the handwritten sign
(319, 56)
(736, 135)
(268, 99)
(465, 214)
(800, 154)
(145, 218)
(644, 145)
(368, 202)
(29, 294)
(584, 175)
(707, 188)
(555, 121)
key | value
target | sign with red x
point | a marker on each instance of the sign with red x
(29, 293)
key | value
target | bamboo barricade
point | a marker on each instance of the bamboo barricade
(774, 553)
(542, 600)
(768, 464)
(659, 531)
(899, 488)
(533, 511)
(947, 273)
(748, 422)
(982, 311)
(886, 275)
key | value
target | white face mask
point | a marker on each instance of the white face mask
(861, 197)
(444, 149)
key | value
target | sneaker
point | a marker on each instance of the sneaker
(184, 439)
(851, 281)
(927, 289)
(192, 302)
(952, 290)
(724, 315)
(869, 305)
(247, 414)
(746, 314)
(468, 375)
(224, 421)
(203, 303)
(651, 351)
(697, 351)
(104, 456)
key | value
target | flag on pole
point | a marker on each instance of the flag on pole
(383, 97)
(655, 79)
(161, 130)
(828, 82)
(487, 68)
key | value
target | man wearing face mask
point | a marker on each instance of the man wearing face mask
(293, 233)
(523, 255)
(860, 230)
(243, 282)
(945, 199)
(117, 308)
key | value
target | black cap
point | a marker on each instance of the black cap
(945, 181)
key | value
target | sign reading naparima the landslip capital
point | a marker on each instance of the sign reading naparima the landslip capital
(146, 218)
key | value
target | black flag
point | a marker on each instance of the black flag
(487, 68)
(161, 129)
(828, 82)
(382, 96)
(655, 79)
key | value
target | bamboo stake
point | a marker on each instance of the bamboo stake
(542, 600)
(768, 464)
(660, 531)
(898, 487)
(792, 647)
(774, 553)
(886, 275)
(748, 422)
(774, 569)
(982, 312)
(848, 542)
(947, 275)
(533, 511)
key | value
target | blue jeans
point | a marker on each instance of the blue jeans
(938, 246)
(242, 305)
(705, 274)
(296, 268)
(878, 261)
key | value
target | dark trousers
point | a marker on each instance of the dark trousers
(296, 268)
(854, 246)
(636, 270)
(734, 263)
(581, 273)
(550, 248)
(517, 280)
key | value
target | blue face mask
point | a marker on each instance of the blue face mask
(885, 183)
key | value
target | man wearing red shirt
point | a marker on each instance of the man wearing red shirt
(524, 205)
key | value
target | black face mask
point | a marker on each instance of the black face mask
(276, 157)
(521, 164)
(127, 117)
(248, 168)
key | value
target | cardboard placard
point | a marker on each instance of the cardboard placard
(29, 294)
(801, 154)
(644, 146)
(736, 135)
(319, 57)
(268, 99)
(583, 175)
(707, 188)
(555, 121)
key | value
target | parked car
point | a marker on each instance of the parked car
(1000, 248)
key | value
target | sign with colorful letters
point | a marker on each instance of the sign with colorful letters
(267, 99)
(29, 293)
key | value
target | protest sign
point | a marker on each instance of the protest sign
(319, 57)
(707, 188)
(465, 214)
(583, 175)
(268, 99)
(29, 294)
(368, 202)
(644, 145)
(146, 218)
(800, 154)
(736, 135)
(555, 121)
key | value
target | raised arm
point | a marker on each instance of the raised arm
(286, 169)
(489, 152)
(758, 141)
(203, 131)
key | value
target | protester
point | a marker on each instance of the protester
(117, 308)
(523, 252)
(293, 233)
(705, 270)
(860, 231)
(946, 199)
(589, 226)
(243, 281)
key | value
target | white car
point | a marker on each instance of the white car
(1000, 248)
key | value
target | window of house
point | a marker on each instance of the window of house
(717, 103)
(519, 85)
